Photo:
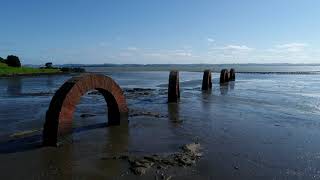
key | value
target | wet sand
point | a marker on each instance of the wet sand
(260, 127)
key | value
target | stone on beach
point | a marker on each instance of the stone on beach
(134, 113)
(187, 157)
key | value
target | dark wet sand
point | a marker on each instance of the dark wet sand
(246, 130)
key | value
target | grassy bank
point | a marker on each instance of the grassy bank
(5, 70)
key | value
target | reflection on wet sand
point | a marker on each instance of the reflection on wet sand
(65, 131)
(49, 81)
(232, 84)
(207, 92)
(205, 98)
(57, 162)
(21, 144)
(60, 162)
(117, 141)
(205, 101)
(224, 89)
(173, 114)
(14, 86)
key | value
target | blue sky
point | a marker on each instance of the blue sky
(166, 31)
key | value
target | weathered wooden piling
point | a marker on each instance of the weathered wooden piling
(206, 80)
(173, 87)
(224, 76)
(60, 112)
(232, 75)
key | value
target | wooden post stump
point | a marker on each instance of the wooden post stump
(206, 80)
(232, 75)
(173, 87)
(224, 76)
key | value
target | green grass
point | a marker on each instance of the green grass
(6, 70)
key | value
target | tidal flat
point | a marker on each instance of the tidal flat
(262, 126)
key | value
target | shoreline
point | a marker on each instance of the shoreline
(293, 72)
(240, 72)
(66, 73)
(9, 71)
(33, 74)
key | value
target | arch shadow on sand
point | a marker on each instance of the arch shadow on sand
(34, 142)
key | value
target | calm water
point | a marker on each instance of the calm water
(262, 126)
(267, 68)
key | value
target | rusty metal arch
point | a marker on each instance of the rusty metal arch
(60, 112)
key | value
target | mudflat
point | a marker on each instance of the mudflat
(261, 126)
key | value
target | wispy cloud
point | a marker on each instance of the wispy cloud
(103, 44)
(292, 47)
(289, 53)
(131, 48)
(210, 40)
(170, 54)
(182, 52)
(233, 48)
(214, 53)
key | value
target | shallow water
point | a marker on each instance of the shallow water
(258, 68)
(262, 126)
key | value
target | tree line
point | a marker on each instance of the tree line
(14, 61)
(11, 60)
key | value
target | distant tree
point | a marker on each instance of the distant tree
(48, 65)
(13, 61)
(2, 60)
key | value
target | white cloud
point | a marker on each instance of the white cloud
(292, 47)
(234, 48)
(228, 54)
(125, 54)
(149, 55)
(132, 48)
(157, 55)
(186, 53)
(103, 44)
(183, 54)
(288, 53)
(210, 40)
(223, 53)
